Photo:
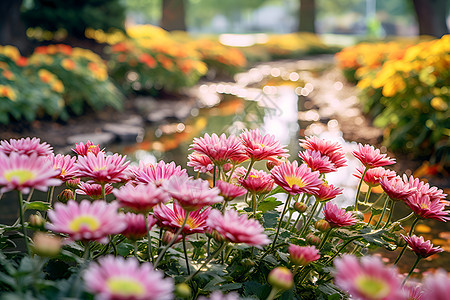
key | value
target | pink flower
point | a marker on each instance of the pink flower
(172, 218)
(229, 191)
(326, 192)
(200, 162)
(136, 228)
(258, 182)
(116, 278)
(424, 188)
(421, 247)
(373, 176)
(368, 279)
(102, 169)
(26, 146)
(303, 255)
(237, 229)
(296, 179)
(219, 149)
(413, 292)
(333, 151)
(192, 194)
(260, 147)
(157, 173)
(437, 286)
(86, 221)
(93, 190)
(64, 164)
(281, 278)
(22, 172)
(140, 198)
(83, 149)
(316, 161)
(371, 157)
(396, 189)
(425, 208)
(337, 217)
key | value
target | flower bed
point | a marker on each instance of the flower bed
(150, 231)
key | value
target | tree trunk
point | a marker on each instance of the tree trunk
(173, 15)
(307, 16)
(12, 28)
(431, 17)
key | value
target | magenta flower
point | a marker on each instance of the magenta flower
(136, 227)
(157, 173)
(64, 164)
(421, 247)
(373, 176)
(424, 188)
(425, 208)
(260, 147)
(327, 192)
(22, 172)
(229, 191)
(192, 194)
(86, 221)
(102, 169)
(396, 189)
(93, 190)
(436, 286)
(317, 162)
(116, 278)
(83, 149)
(368, 279)
(296, 179)
(26, 146)
(303, 255)
(219, 149)
(200, 162)
(173, 217)
(236, 228)
(140, 198)
(258, 182)
(413, 292)
(338, 217)
(371, 157)
(333, 151)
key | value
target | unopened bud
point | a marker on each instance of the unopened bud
(168, 236)
(37, 221)
(65, 196)
(281, 278)
(322, 225)
(300, 207)
(272, 163)
(313, 239)
(73, 183)
(45, 244)
(182, 290)
(248, 262)
(227, 167)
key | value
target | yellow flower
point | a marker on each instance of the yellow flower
(8, 92)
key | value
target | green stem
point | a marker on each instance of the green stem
(406, 218)
(22, 222)
(273, 293)
(305, 226)
(286, 205)
(296, 221)
(289, 219)
(231, 172)
(390, 213)
(327, 235)
(304, 276)
(211, 257)
(103, 191)
(359, 188)
(413, 226)
(383, 212)
(370, 205)
(214, 175)
(135, 249)
(224, 206)
(50, 195)
(340, 249)
(149, 240)
(185, 255)
(366, 199)
(412, 269)
(404, 248)
(31, 194)
(87, 251)
(250, 166)
(254, 205)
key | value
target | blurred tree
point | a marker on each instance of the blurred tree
(432, 16)
(12, 28)
(173, 15)
(307, 16)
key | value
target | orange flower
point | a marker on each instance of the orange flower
(8, 92)
(148, 60)
(68, 64)
(8, 74)
(45, 76)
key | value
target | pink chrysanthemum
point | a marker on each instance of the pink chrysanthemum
(200, 162)
(116, 278)
(83, 149)
(220, 150)
(338, 217)
(373, 176)
(192, 194)
(413, 292)
(157, 173)
(437, 286)
(172, 218)
(102, 169)
(368, 279)
(317, 162)
(86, 221)
(142, 197)
(22, 172)
(229, 191)
(93, 190)
(64, 164)
(303, 255)
(333, 151)
(26, 146)
(237, 228)
(258, 182)
(424, 188)
(296, 179)
(371, 157)
(136, 228)
(396, 189)
(421, 247)
(425, 208)
(260, 147)
(326, 192)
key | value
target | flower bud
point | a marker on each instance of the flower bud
(272, 163)
(45, 244)
(168, 236)
(182, 290)
(313, 239)
(227, 167)
(73, 183)
(37, 221)
(247, 262)
(65, 196)
(300, 207)
(281, 278)
(322, 225)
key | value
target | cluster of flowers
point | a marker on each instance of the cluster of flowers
(163, 194)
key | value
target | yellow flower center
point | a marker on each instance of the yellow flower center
(424, 206)
(84, 221)
(372, 288)
(294, 181)
(99, 169)
(21, 175)
(254, 176)
(125, 287)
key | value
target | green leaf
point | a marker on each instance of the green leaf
(124, 249)
(270, 219)
(268, 204)
(38, 205)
